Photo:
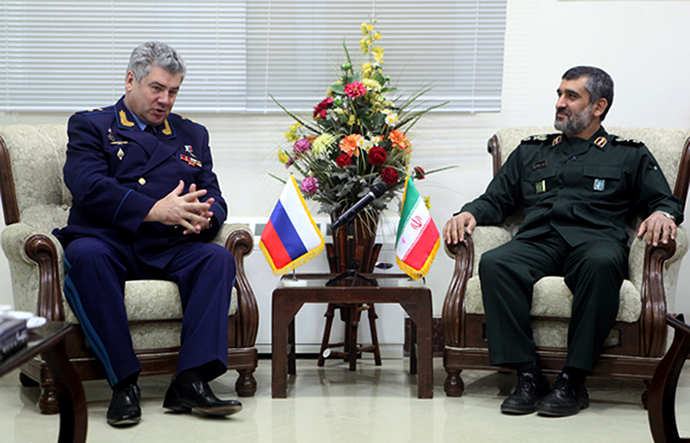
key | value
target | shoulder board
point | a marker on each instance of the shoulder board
(541, 138)
(627, 142)
(96, 111)
(184, 119)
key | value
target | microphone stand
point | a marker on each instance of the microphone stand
(352, 264)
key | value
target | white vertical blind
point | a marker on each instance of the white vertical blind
(72, 55)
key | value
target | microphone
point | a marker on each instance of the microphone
(375, 192)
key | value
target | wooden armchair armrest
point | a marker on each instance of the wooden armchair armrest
(653, 315)
(463, 253)
(240, 241)
(26, 247)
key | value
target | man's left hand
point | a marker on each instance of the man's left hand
(658, 228)
(205, 222)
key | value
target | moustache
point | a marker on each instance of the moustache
(564, 111)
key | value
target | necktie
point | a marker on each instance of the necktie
(150, 130)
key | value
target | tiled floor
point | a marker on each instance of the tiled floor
(372, 404)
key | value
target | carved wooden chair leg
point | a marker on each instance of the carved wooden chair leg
(246, 383)
(453, 386)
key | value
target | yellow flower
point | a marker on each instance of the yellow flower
(351, 120)
(363, 27)
(371, 84)
(322, 143)
(364, 43)
(370, 28)
(378, 54)
(292, 135)
(283, 157)
(377, 36)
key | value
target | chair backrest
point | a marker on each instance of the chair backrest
(31, 161)
(668, 145)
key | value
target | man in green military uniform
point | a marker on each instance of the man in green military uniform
(578, 190)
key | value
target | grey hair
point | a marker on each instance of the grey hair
(599, 84)
(155, 54)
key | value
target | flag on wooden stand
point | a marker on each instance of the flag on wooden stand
(291, 237)
(418, 239)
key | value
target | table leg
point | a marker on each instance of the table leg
(284, 311)
(413, 347)
(70, 392)
(292, 369)
(420, 314)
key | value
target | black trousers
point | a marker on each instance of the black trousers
(594, 272)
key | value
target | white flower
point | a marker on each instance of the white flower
(391, 118)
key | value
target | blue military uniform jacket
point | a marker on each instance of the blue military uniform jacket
(116, 173)
(588, 192)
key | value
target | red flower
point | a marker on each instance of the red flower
(390, 176)
(419, 173)
(343, 160)
(355, 89)
(377, 156)
(321, 109)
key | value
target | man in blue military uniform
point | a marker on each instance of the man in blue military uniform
(146, 203)
(578, 190)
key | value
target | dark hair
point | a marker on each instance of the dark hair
(599, 84)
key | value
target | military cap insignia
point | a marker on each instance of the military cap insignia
(557, 140)
(600, 141)
(123, 119)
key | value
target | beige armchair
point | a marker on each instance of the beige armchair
(35, 201)
(639, 337)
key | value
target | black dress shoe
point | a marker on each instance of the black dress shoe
(124, 407)
(531, 388)
(197, 396)
(566, 398)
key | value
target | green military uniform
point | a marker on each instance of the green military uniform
(577, 196)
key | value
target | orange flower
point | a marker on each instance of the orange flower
(399, 140)
(349, 144)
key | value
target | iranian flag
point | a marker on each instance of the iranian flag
(418, 239)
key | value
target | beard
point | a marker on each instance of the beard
(576, 123)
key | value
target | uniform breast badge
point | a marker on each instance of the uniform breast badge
(541, 187)
(599, 184)
(120, 154)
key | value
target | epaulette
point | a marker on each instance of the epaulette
(541, 138)
(187, 120)
(96, 111)
(627, 141)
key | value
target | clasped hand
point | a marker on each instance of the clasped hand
(183, 210)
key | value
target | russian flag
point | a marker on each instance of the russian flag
(291, 237)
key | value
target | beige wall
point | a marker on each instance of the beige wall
(642, 44)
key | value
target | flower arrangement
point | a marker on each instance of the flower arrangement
(358, 136)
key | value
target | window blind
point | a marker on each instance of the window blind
(72, 55)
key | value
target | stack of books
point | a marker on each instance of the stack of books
(13, 335)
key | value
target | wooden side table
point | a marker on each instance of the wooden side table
(292, 293)
(49, 342)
